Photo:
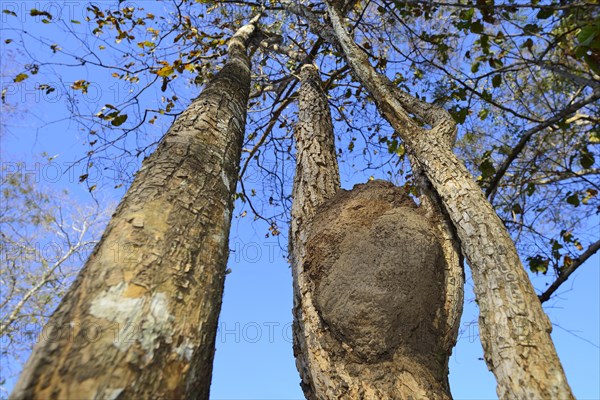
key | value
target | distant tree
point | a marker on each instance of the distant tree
(45, 239)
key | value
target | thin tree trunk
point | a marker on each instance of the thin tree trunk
(336, 360)
(514, 329)
(316, 180)
(140, 320)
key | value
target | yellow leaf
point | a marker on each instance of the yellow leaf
(22, 76)
(165, 71)
(81, 85)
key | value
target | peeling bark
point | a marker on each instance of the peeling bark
(140, 320)
(515, 331)
(377, 281)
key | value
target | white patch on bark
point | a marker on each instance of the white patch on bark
(225, 179)
(156, 325)
(137, 320)
(113, 394)
(125, 312)
(185, 349)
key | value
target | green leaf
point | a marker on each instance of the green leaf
(483, 113)
(495, 63)
(586, 35)
(9, 12)
(497, 80)
(573, 199)
(581, 51)
(119, 120)
(477, 27)
(487, 96)
(460, 114)
(528, 43)
(531, 28)
(545, 13)
(499, 39)
(485, 44)
(586, 158)
(467, 15)
(392, 146)
(538, 264)
(487, 168)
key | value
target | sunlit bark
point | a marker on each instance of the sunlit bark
(140, 320)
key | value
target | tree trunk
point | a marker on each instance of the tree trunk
(375, 315)
(141, 318)
(515, 331)
(316, 180)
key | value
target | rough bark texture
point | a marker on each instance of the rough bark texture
(140, 320)
(317, 176)
(454, 277)
(372, 316)
(515, 331)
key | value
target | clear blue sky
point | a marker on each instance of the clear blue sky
(254, 352)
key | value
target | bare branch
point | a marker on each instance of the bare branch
(566, 273)
(493, 185)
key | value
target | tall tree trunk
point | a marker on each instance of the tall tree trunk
(514, 329)
(371, 345)
(141, 318)
(316, 180)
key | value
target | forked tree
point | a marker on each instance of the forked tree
(377, 281)
(515, 331)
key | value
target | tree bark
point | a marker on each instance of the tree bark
(140, 320)
(515, 331)
(367, 346)
(316, 180)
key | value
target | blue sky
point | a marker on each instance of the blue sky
(254, 353)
